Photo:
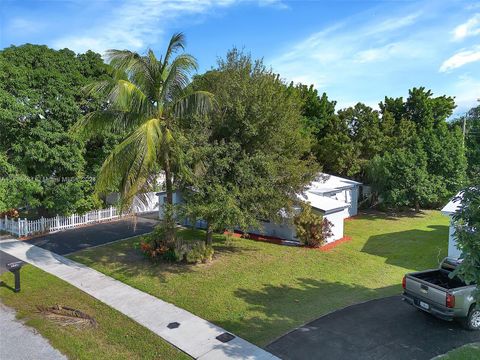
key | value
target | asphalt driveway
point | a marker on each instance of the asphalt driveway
(386, 329)
(4, 260)
(69, 241)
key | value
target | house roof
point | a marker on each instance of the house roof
(453, 205)
(323, 203)
(326, 183)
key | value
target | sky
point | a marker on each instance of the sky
(355, 51)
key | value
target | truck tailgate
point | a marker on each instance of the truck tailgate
(425, 290)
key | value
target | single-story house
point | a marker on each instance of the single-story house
(449, 210)
(333, 197)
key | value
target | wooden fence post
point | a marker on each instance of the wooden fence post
(58, 222)
(42, 224)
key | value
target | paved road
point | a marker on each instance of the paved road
(20, 342)
(386, 329)
(68, 241)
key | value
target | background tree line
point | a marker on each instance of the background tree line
(261, 143)
(408, 151)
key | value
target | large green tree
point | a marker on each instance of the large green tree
(425, 145)
(467, 222)
(330, 133)
(40, 98)
(145, 100)
(251, 152)
(471, 122)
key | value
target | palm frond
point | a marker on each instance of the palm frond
(129, 165)
(177, 42)
(177, 77)
(126, 96)
(195, 103)
(101, 121)
(127, 107)
(134, 65)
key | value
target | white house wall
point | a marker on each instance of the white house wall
(336, 219)
(353, 208)
(285, 230)
(162, 199)
(349, 196)
(453, 250)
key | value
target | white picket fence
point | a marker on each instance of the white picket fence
(24, 227)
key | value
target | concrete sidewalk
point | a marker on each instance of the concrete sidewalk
(192, 334)
(20, 342)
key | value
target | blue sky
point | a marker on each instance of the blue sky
(353, 50)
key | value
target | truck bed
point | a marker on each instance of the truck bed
(439, 278)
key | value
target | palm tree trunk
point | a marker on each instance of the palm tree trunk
(168, 183)
(209, 234)
(169, 221)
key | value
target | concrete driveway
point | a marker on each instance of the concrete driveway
(69, 241)
(386, 329)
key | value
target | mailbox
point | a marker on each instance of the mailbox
(15, 267)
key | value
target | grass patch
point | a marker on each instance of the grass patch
(260, 290)
(115, 337)
(466, 352)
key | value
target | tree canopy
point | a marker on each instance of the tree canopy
(251, 152)
(261, 135)
(467, 234)
(408, 150)
(145, 99)
(41, 97)
(471, 120)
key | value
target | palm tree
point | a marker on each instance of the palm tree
(145, 100)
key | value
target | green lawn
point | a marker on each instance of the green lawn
(116, 337)
(467, 352)
(260, 290)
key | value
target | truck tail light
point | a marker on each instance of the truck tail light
(450, 301)
(404, 282)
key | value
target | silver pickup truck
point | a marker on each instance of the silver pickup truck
(435, 292)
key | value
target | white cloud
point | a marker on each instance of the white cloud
(469, 28)
(467, 91)
(135, 25)
(382, 53)
(278, 4)
(366, 57)
(461, 58)
(25, 26)
(345, 53)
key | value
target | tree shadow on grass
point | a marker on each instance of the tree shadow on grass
(276, 309)
(125, 260)
(390, 215)
(410, 249)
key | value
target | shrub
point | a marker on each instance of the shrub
(161, 239)
(312, 229)
(193, 252)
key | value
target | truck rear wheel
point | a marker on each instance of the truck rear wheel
(472, 322)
